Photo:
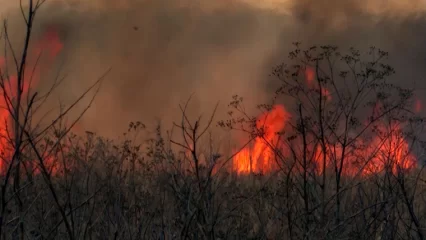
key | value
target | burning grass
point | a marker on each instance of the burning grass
(116, 190)
(47, 48)
(385, 147)
(320, 170)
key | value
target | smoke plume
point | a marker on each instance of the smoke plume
(162, 51)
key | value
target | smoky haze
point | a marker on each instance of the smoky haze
(162, 51)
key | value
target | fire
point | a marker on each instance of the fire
(393, 152)
(387, 150)
(47, 48)
(418, 106)
(50, 42)
(310, 77)
(260, 157)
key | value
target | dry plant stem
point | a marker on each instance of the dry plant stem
(409, 204)
(20, 67)
(15, 110)
(49, 183)
(337, 129)
(305, 175)
(110, 191)
(323, 143)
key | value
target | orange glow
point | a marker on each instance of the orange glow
(50, 164)
(260, 158)
(393, 152)
(50, 44)
(418, 106)
(310, 77)
(388, 150)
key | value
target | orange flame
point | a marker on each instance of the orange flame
(388, 151)
(260, 158)
(310, 76)
(50, 42)
(393, 153)
(384, 152)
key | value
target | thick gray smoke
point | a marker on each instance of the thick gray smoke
(161, 51)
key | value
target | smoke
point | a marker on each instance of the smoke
(162, 51)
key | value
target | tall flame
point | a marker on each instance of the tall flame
(260, 157)
(388, 150)
(46, 48)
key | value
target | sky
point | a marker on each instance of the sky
(162, 51)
